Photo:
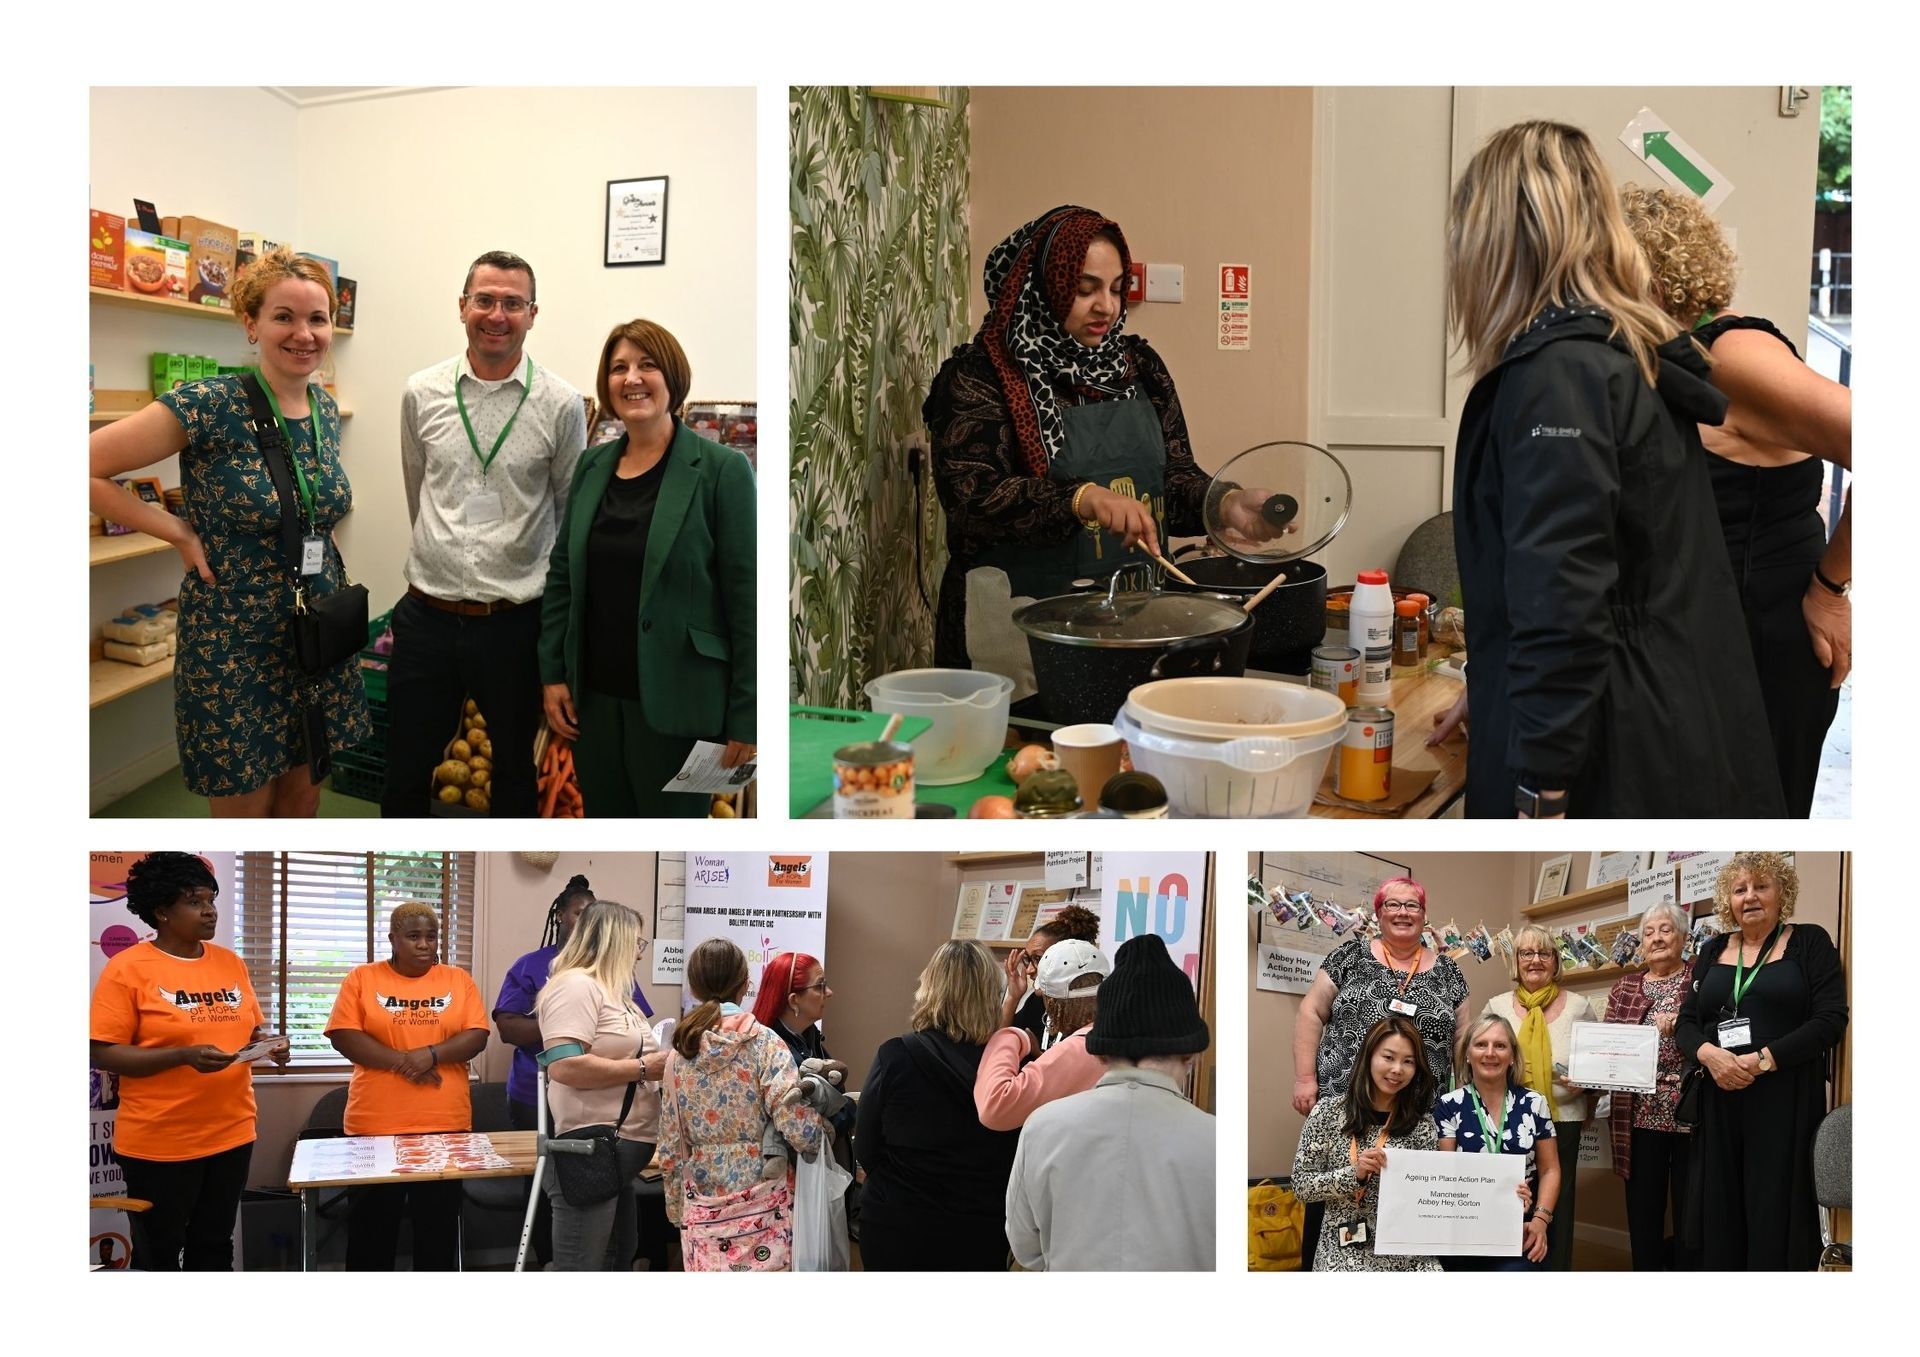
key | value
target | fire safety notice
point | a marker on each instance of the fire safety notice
(1236, 306)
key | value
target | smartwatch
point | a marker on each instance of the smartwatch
(1538, 805)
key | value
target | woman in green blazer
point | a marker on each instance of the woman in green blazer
(646, 630)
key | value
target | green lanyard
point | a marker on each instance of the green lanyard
(1490, 1136)
(486, 460)
(1742, 980)
(1706, 318)
(306, 491)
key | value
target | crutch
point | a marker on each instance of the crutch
(543, 1145)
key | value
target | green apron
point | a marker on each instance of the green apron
(1117, 445)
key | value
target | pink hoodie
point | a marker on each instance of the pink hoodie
(1006, 1095)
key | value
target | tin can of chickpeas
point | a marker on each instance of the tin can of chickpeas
(1366, 755)
(873, 781)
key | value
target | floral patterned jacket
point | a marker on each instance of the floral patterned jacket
(713, 1110)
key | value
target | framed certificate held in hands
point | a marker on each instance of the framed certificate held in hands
(1614, 1055)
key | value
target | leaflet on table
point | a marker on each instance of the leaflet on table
(1439, 1203)
(702, 771)
(1614, 1055)
(344, 1157)
(466, 1151)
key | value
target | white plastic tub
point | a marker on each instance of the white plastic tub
(968, 708)
(1255, 748)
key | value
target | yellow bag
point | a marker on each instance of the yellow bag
(1276, 1220)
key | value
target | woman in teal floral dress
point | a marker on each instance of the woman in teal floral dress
(237, 696)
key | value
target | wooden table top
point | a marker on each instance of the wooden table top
(1417, 699)
(516, 1147)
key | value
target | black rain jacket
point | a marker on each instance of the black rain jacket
(1606, 649)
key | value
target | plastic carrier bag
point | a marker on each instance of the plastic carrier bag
(820, 1214)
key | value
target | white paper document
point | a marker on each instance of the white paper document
(257, 1050)
(1435, 1203)
(702, 771)
(1614, 1055)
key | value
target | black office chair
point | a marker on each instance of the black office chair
(326, 1120)
(1833, 1183)
(491, 1201)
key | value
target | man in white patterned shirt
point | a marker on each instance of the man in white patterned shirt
(488, 442)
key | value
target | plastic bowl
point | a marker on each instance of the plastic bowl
(1242, 771)
(1233, 708)
(968, 708)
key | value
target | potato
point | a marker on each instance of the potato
(460, 750)
(474, 735)
(479, 763)
(481, 777)
(476, 799)
(722, 810)
(453, 773)
(485, 749)
(470, 708)
(450, 795)
(474, 718)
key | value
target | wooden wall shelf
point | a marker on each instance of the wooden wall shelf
(1599, 895)
(110, 680)
(139, 301)
(126, 546)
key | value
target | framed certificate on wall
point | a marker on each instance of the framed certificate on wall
(636, 222)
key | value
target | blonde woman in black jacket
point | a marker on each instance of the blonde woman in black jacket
(1609, 671)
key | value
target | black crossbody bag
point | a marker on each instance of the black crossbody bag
(589, 1179)
(327, 629)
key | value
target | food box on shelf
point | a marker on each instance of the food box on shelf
(210, 260)
(106, 249)
(333, 267)
(155, 266)
(250, 246)
(348, 293)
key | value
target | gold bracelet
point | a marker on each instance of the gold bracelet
(1077, 496)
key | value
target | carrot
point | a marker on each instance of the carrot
(551, 796)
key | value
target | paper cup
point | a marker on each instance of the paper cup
(1091, 752)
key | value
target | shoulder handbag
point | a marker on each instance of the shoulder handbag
(330, 628)
(589, 1179)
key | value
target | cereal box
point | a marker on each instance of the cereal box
(210, 259)
(250, 246)
(346, 295)
(156, 266)
(106, 245)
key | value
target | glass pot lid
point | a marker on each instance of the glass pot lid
(1126, 618)
(1277, 502)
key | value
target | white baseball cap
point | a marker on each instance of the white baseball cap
(1064, 963)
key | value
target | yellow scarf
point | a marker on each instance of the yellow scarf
(1536, 1047)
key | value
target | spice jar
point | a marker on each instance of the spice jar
(1406, 634)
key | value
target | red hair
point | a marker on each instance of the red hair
(1419, 891)
(777, 984)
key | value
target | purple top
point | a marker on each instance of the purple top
(525, 979)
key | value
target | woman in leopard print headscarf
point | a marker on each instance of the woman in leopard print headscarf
(1058, 441)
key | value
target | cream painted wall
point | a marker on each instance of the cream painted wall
(1468, 888)
(1197, 177)
(404, 191)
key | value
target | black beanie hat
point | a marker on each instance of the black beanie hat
(1146, 1006)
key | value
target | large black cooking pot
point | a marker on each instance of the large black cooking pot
(1287, 623)
(1091, 650)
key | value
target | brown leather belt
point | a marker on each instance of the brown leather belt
(463, 607)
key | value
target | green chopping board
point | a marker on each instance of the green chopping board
(813, 733)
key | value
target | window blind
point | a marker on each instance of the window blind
(303, 920)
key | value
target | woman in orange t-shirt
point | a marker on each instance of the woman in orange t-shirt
(409, 1025)
(168, 1016)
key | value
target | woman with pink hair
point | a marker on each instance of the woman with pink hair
(1366, 980)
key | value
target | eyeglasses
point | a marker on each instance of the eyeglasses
(484, 302)
(820, 984)
(1402, 907)
(1530, 953)
(1029, 962)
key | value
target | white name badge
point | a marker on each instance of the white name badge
(483, 506)
(1355, 1233)
(1403, 1008)
(313, 555)
(1735, 1032)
